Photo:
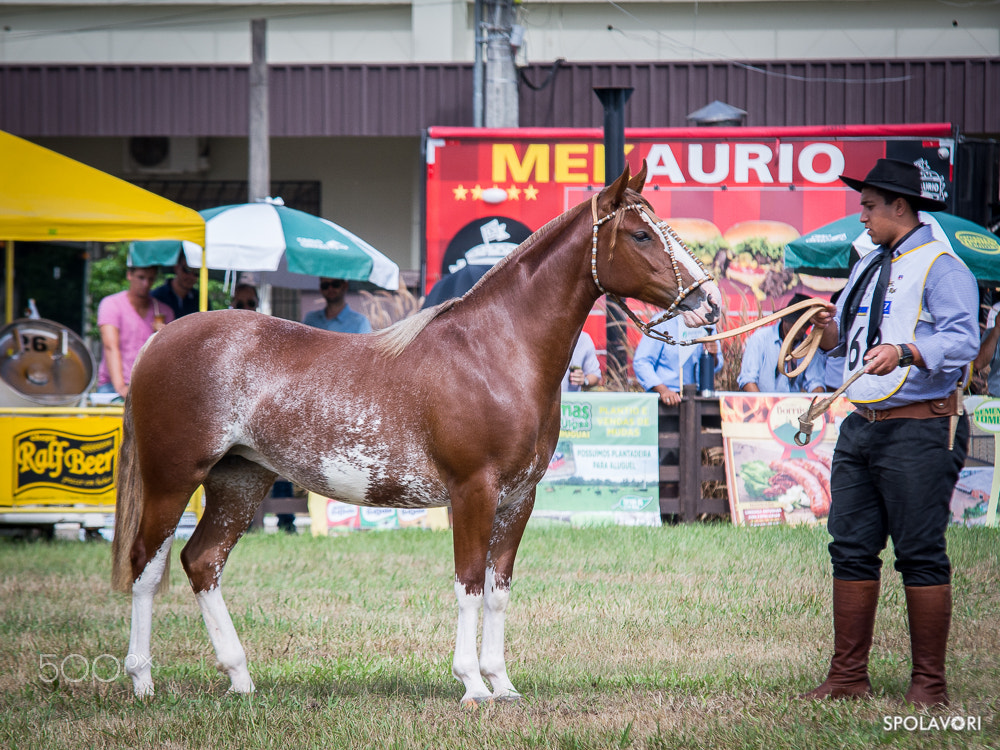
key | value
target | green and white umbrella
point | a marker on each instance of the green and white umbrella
(829, 247)
(257, 236)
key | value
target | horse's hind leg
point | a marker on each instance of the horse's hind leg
(508, 528)
(160, 516)
(233, 490)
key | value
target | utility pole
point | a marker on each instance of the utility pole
(501, 74)
(259, 186)
(478, 72)
(613, 100)
(259, 172)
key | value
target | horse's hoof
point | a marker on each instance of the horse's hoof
(474, 701)
(511, 696)
(143, 691)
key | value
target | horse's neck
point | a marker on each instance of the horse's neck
(549, 282)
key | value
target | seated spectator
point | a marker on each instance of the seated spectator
(989, 352)
(760, 371)
(584, 368)
(244, 297)
(658, 365)
(337, 315)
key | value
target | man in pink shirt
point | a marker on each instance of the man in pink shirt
(127, 319)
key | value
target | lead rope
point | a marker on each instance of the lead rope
(804, 352)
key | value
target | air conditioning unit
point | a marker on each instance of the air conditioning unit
(163, 155)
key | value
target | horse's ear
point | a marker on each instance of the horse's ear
(618, 187)
(639, 179)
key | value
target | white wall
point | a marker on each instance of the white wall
(165, 31)
(370, 186)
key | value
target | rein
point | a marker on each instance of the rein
(804, 352)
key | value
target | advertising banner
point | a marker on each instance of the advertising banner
(327, 516)
(975, 500)
(605, 469)
(736, 196)
(59, 461)
(772, 480)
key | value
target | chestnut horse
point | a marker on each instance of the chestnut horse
(456, 406)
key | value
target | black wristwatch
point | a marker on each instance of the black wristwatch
(905, 356)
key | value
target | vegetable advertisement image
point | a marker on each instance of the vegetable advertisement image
(772, 480)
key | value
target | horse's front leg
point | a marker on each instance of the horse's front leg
(508, 528)
(473, 510)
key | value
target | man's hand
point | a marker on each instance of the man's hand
(823, 320)
(881, 359)
(667, 396)
(823, 315)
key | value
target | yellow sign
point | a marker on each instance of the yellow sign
(64, 461)
(59, 460)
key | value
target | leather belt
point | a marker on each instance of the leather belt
(945, 407)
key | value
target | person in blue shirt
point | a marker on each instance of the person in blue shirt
(584, 367)
(658, 364)
(337, 315)
(759, 371)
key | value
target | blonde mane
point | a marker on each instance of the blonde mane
(393, 340)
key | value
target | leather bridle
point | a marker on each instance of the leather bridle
(666, 234)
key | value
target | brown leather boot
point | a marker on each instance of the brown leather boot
(854, 604)
(929, 612)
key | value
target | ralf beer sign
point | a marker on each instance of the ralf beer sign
(63, 460)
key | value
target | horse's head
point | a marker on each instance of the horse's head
(636, 254)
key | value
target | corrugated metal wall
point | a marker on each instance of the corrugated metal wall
(402, 100)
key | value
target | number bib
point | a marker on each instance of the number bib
(903, 309)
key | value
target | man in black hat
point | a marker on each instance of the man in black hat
(908, 319)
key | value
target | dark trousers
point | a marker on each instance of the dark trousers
(894, 479)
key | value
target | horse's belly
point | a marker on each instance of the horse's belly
(362, 480)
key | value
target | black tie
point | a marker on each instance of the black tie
(882, 266)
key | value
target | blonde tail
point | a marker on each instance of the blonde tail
(128, 510)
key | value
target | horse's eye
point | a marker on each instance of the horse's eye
(641, 236)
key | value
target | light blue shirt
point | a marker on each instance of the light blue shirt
(760, 365)
(656, 362)
(584, 356)
(348, 321)
(949, 341)
(993, 379)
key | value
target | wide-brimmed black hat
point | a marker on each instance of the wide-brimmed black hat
(899, 177)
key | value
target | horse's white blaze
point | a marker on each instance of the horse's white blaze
(139, 661)
(465, 665)
(228, 650)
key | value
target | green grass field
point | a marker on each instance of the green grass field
(692, 636)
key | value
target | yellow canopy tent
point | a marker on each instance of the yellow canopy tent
(45, 196)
